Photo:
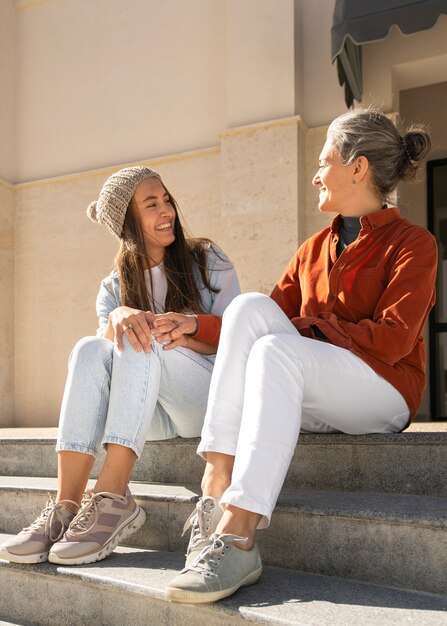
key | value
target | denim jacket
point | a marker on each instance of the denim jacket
(221, 273)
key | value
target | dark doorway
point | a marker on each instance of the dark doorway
(437, 224)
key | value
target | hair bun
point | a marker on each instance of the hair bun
(417, 143)
(91, 211)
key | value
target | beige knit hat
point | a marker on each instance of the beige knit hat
(111, 206)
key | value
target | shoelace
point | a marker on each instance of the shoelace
(197, 521)
(51, 513)
(210, 557)
(81, 523)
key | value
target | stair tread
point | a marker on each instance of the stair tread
(152, 491)
(412, 462)
(282, 597)
(401, 508)
(417, 433)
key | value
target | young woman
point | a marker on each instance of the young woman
(337, 347)
(139, 378)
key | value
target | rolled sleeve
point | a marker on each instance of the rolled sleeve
(106, 302)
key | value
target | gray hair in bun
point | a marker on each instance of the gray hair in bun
(114, 198)
(392, 157)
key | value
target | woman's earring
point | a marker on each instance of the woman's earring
(354, 181)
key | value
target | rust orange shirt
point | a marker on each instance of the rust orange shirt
(372, 300)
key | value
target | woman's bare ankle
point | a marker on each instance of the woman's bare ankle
(236, 521)
(215, 486)
(70, 504)
(213, 491)
(217, 475)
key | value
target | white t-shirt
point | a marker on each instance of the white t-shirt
(160, 287)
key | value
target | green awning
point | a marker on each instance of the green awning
(357, 22)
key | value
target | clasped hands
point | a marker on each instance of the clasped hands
(141, 326)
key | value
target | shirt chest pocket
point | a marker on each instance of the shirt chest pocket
(361, 290)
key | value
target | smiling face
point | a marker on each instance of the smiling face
(334, 180)
(157, 217)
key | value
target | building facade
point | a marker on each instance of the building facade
(229, 99)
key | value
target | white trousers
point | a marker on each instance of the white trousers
(268, 383)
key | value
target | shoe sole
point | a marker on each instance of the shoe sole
(41, 557)
(129, 527)
(194, 597)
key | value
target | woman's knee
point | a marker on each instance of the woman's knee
(276, 352)
(91, 349)
(248, 304)
(267, 348)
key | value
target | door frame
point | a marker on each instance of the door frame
(433, 326)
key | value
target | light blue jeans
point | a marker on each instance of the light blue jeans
(128, 397)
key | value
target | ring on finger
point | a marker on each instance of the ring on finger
(128, 327)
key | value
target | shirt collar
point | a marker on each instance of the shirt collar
(371, 220)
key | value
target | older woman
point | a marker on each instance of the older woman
(337, 347)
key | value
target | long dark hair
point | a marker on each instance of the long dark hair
(181, 256)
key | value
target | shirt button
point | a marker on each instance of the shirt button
(331, 297)
(374, 225)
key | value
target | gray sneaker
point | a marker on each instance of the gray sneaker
(104, 520)
(33, 543)
(219, 571)
(203, 523)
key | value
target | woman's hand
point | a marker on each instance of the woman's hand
(174, 327)
(135, 324)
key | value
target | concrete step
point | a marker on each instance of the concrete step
(128, 588)
(410, 462)
(387, 539)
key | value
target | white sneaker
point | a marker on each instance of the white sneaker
(219, 571)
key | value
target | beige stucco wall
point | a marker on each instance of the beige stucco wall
(157, 78)
(187, 72)
(7, 90)
(260, 198)
(7, 325)
(7, 118)
(260, 77)
(322, 99)
(100, 82)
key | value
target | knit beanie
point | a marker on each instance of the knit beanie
(111, 206)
